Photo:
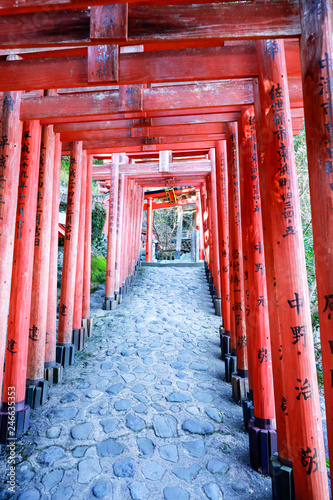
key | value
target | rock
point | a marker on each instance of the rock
(203, 397)
(182, 385)
(217, 466)
(140, 408)
(88, 469)
(175, 493)
(138, 490)
(63, 414)
(187, 474)
(146, 447)
(214, 414)
(101, 489)
(115, 389)
(63, 493)
(195, 448)
(69, 397)
(193, 410)
(165, 426)
(31, 494)
(212, 491)
(141, 398)
(128, 377)
(124, 468)
(196, 365)
(197, 427)
(109, 448)
(109, 424)
(135, 423)
(82, 431)
(123, 404)
(241, 487)
(169, 452)
(48, 457)
(79, 451)
(52, 479)
(177, 366)
(166, 382)
(153, 471)
(106, 366)
(178, 397)
(6, 494)
(138, 388)
(53, 432)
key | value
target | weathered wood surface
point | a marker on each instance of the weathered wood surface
(192, 64)
(220, 21)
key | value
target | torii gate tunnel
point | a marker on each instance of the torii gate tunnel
(199, 96)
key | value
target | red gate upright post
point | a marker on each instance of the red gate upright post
(149, 238)
(79, 332)
(215, 233)
(223, 212)
(53, 370)
(13, 400)
(308, 453)
(239, 378)
(199, 224)
(119, 238)
(87, 321)
(65, 347)
(262, 434)
(37, 386)
(317, 75)
(204, 213)
(124, 238)
(110, 302)
(10, 151)
(283, 475)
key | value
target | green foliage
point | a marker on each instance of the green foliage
(98, 268)
(64, 170)
(97, 221)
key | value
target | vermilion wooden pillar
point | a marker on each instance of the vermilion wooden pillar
(223, 213)
(279, 379)
(36, 385)
(65, 348)
(308, 454)
(87, 321)
(215, 233)
(149, 239)
(204, 212)
(257, 319)
(199, 224)
(109, 300)
(53, 370)
(20, 299)
(317, 76)
(124, 237)
(10, 150)
(119, 238)
(239, 380)
(79, 331)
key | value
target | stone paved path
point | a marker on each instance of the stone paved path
(144, 413)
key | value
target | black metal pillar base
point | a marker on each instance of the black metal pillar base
(78, 338)
(225, 344)
(282, 479)
(218, 308)
(53, 374)
(65, 354)
(230, 363)
(263, 444)
(240, 387)
(109, 303)
(36, 395)
(13, 424)
(248, 412)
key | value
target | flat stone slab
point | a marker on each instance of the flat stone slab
(109, 424)
(102, 489)
(123, 404)
(109, 448)
(146, 447)
(169, 452)
(212, 491)
(195, 448)
(115, 389)
(82, 431)
(88, 469)
(48, 457)
(165, 426)
(153, 471)
(63, 414)
(197, 427)
(138, 490)
(217, 466)
(187, 474)
(175, 493)
(135, 423)
(124, 468)
(178, 397)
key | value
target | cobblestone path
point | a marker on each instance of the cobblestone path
(144, 412)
